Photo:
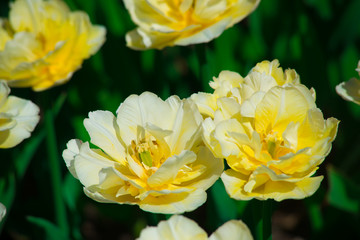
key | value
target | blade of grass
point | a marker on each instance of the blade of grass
(51, 142)
(263, 227)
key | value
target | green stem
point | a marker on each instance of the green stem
(204, 71)
(60, 210)
(263, 227)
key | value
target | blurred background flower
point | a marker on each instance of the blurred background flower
(179, 227)
(2, 211)
(18, 118)
(168, 23)
(350, 90)
(43, 43)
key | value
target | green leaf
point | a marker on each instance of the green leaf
(113, 16)
(52, 232)
(72, 190)
(225, 206)
(343, 193)
(7, 194)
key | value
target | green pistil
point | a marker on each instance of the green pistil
(145, 157)
(271, 148)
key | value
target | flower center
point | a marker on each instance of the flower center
(274, 144)
(148, 152)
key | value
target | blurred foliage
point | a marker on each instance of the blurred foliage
(318, 38)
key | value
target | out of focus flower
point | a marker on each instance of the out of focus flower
(151, 154)
(43, 43)
(179, 227)
(2, 211)
(271, 133)
(169, 23)
(350, 90)
(18, 118)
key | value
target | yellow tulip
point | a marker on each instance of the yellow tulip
(43, 43)
(272, 135)
(18, 118)
(151, 155)
(350, 90)
(173, 22)
(179, 227)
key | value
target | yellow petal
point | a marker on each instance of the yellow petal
(168, 170)
(174, 203)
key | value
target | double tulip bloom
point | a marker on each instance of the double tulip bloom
(150, 154)
(269, 130)
(179, 227)
(170, 22)
(43, 43)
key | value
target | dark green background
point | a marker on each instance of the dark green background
(320, 39)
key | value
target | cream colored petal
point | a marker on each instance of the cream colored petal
(24, 15)
(232, 230)
(108, 196)
(280, 106)
(7, 122)
(261, 186)
(206, 103)
(209, 9)
(141, 39)
(140, 110)
(260, 81)
(174, 203)
(4, 33)
(176, 228)
(290, 136)
(160, 193)
(225, 82)
(242, 9)
(205, 35)
(25, 113)
(350, 90)
(30, 15)
(234, 184)
(69, 154)
(248, 107)
(270, 68)
(169, 169)
(2, 211)
(24, 47)
(229, 145)
(4, 92)
(213, 169)
(104, 132)
(185, 126)
(95, 34)
(145, 13)
(228, 107)
(88, 163)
